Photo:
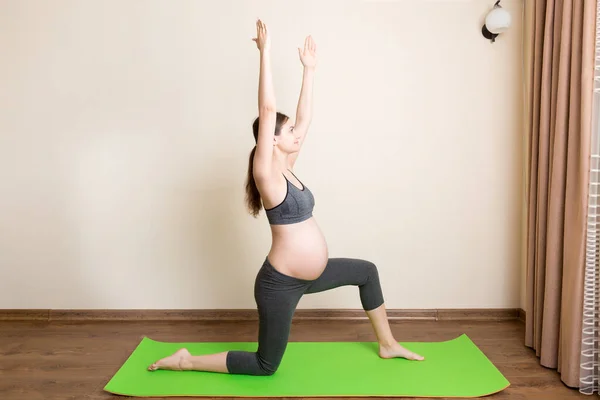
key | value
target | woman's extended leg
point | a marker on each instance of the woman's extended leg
(364, 274)
(276, 296)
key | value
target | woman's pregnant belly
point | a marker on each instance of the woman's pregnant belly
(299, 250)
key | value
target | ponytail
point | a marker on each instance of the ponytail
(253, 200)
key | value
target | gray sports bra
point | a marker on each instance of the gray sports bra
(297, 206)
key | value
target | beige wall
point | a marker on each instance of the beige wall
(125, 132)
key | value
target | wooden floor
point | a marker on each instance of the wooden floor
(59, 360)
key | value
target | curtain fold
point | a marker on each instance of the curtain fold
(560, 63)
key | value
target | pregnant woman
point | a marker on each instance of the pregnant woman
(298, 262)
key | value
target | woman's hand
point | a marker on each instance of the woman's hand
(308, 55)
(262, 39)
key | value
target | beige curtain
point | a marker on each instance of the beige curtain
(559, 59)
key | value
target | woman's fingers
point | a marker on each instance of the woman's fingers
(259, 27)
(309, 44)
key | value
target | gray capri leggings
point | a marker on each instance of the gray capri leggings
(277, 296)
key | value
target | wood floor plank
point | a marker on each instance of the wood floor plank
(75, 359)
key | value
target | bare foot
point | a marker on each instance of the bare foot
(395, 350)
(179, 361)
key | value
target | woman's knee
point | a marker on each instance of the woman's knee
(267, 367)
(268, 371)
(371, 292)
(371, 270)
(251, 363)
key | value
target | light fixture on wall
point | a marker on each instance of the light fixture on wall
(496, 22)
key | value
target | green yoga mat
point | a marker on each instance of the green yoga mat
(455, 368)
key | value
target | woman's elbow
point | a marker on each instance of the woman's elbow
(266, 109)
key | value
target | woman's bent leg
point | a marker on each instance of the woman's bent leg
(277, 296)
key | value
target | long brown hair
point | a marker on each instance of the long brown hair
(253, 201)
